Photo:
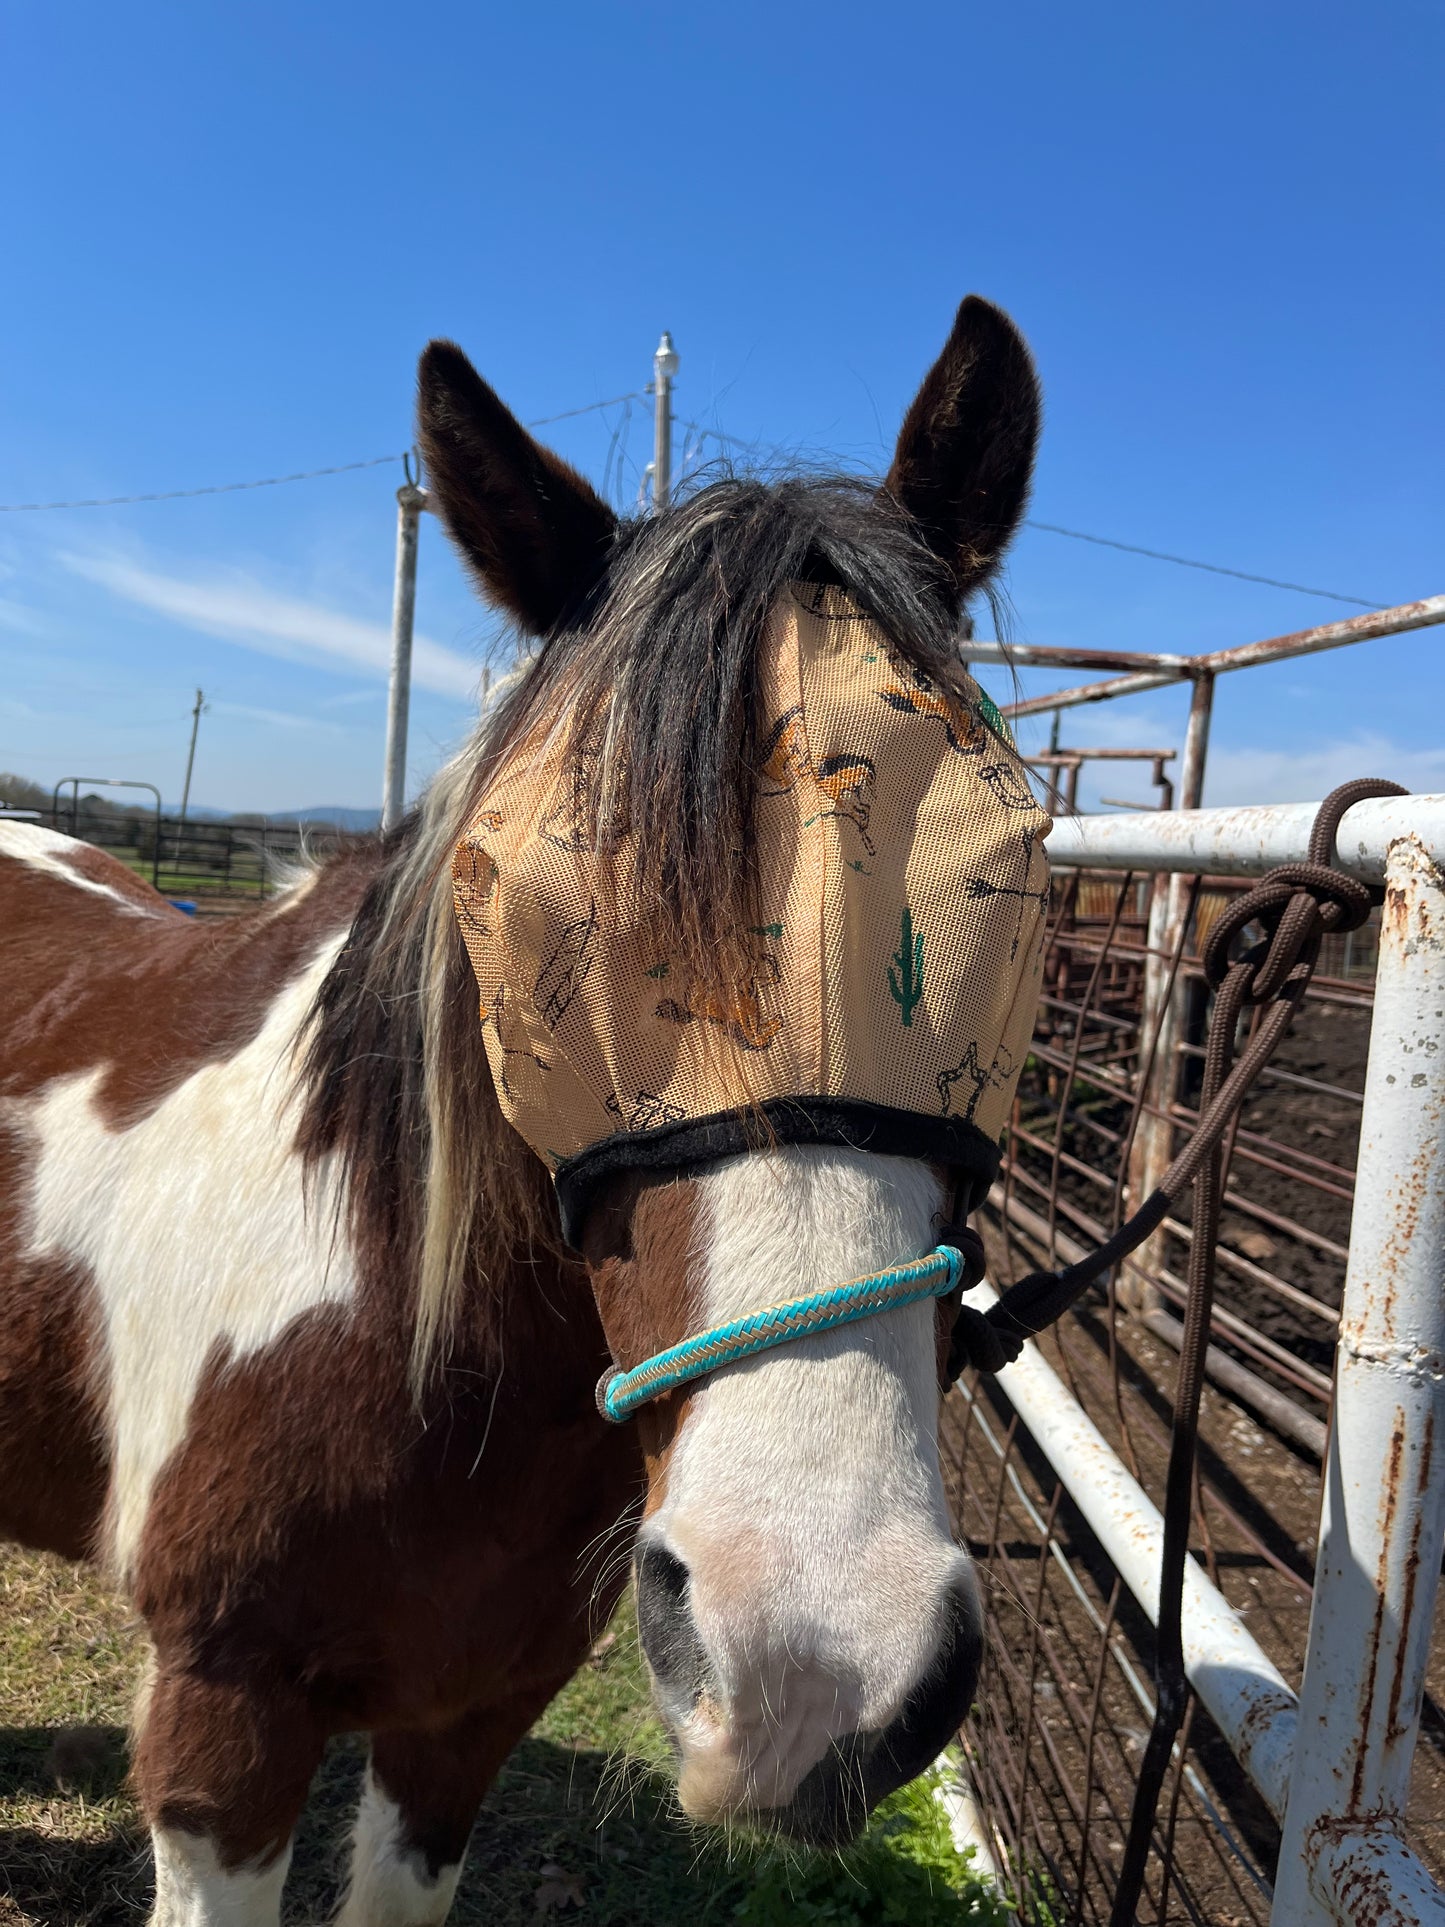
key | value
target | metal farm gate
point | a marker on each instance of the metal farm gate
(1296, 1793)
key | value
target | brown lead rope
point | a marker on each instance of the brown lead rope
(1296, 905)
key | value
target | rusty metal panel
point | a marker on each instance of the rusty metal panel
(1143, 671)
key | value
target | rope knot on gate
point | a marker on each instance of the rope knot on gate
(1293, 907)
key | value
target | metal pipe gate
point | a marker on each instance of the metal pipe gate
(1332, 1763)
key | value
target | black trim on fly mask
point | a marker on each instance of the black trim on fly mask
(849, 1122)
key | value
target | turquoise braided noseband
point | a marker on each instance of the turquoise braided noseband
(620, 1393)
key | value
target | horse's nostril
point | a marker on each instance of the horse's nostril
(665, 1577)
(665, 1624)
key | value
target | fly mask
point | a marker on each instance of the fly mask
(901, 885)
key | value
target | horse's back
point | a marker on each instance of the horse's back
(151, 1203)
(47, 867)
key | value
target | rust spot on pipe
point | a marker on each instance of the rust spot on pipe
(1396, 1727)
(1263, 1710)
(1389, 1505)
(1427, 1455)
(1393, 1465)
(1353, 1845)
(1395, 913)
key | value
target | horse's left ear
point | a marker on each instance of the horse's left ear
(966, 449)
(535, 534)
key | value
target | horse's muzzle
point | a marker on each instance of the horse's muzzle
(837, 1795)
(834, 1797)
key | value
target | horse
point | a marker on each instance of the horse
(293, 1342)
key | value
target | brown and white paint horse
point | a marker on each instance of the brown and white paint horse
(289, 1340)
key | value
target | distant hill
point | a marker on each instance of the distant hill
(19, 792)
(334, 815)
(342, 819)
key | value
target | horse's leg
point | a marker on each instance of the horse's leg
(420, 1798)
(222, 1773)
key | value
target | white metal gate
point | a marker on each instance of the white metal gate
(1333, 1762)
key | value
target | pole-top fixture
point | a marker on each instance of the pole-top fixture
(411, 495)
(664, 365)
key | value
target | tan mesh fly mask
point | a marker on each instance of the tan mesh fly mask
(894, 964)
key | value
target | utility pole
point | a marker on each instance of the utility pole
(664, 367)
(410, 501)
(196, 713)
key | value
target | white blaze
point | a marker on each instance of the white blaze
(804, 1494)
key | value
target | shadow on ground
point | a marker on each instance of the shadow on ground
(565, 1834)
(101, 1871)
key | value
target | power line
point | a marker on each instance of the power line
(182, 494)
(635, 394)
(718, 435)
(273, 481)
(1081, 535)
(1188, 562)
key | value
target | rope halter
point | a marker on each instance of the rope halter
(943, 1271)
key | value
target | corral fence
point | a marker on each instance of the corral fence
(201, 857)
(1297, 1792)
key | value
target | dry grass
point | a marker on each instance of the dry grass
(578, 1795)
(580, 1824)
(70, 1658)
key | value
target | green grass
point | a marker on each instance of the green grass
(581, 1824)
(190, 883)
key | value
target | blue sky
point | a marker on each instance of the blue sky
(1220, 227)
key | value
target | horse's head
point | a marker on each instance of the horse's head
(685, 1020)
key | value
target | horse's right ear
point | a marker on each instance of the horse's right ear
(966, 449)
(535, 534)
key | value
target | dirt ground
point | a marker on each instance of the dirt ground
(1328, 1043)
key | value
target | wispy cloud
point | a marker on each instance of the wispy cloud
(15, 616)
(275, 718)
(1288, 776)
(235, 606)
(349, 698)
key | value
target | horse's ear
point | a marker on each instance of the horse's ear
(966, 449)
(535, 534)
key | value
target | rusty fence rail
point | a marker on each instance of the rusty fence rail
(1144, 670)
(1320, 1513)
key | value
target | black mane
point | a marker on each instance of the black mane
(662, 665)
